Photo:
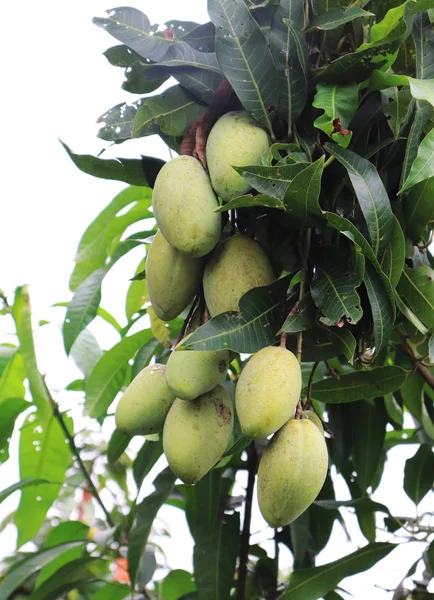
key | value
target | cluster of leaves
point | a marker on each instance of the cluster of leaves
(343, 204)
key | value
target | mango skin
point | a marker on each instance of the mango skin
(267, 391)
(184, 202)
(292, 472)
(237, 265)
(312, 416)
(196, 433)
(172, 278)
(145, 403)
(191, 373)
(235, 140)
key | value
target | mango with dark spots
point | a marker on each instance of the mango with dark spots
(191, 373)
(172, 278)
(267, 391)
(236, 140)
(196, 433)
(237, 265)
(184, 203)
(145, 403)
(292, 472)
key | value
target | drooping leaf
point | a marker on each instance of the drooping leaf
(201, 83)
(301, 195)
(364, 503)
(335, 18)
(301, 317)
(423, 37)
(419, 473)
(421, 116)
(337, 102)
(146, 512)
(117, 122)
(177, 584)
(418, 209)
(392, 261)
(201, 37)
(396, 102)
(12, 379)
(111, 591)
(146, 458)
(9, 411)
(144, 356)
(382, 314)
(117, 445)
(245, 58)
(86, 352)
(423, 165)
(183, 55)
(137, 293)
(343, 340)
(159, 329)
(334, 287)
(23, 483)
(271, 180)
(371, 194)
(250, 200)
(417, 287)
(314, 583)
(359, 385)
(253, 328)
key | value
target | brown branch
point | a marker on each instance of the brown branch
(424, 371)
(245, 534)
(309, 387)
(187, 320)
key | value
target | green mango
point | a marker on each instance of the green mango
(184, 203)
(196, 433)
(312, 416)
(172, 278)
(236, 140)
(145, 403)
(236, 266)
(267, 391)
(191, 373)
(292, 471)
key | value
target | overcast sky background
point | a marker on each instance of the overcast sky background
(55, 84)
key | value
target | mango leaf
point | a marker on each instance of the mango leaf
(418, 209)
(364, 503)
(334, 287)
(82, 309)
(301, 317)
(144, 78)
(423, 165)
(7, 352)
(12, 379)
(314, 583)
(144, 356)
(111, 591)
(245, 58)
(137, 293)
(201, 83)
(117, 122)
(359, 385)
(396, 102)
(253, 328)
(249, 200)
(392, 261)
(201, 37)
(43, 454)
(301, 195)
(23, 569)
(335, 18)
(418, 473)
(290, 54)
(23, 483)
(421, 116)
(394, 410)
(423, 36)
(9, 411)
(337, 102)
(371, 194)
(271, 180)
(183, 55)
(146, 512)
(176, 584)
(417, 286)
(379, 300)
(107, 377)
(86, 352)
(117, 445)
(159, 329)
(146, 458)
(343, 340)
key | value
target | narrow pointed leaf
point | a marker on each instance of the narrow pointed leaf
(250, 200)
(271, 180)
(423, 165)
(392, 261)
(419, 473)
(417, 287)
(146, 458)
(302, 194)
(371, 194)
(23, 483)
(245, 58)
(418, 209)
(337, 102)
(344, 341)
(396, 102)
(423, 36)
(117, 445)
(111, 591)
(335, 18)
(253, 328)
(117, 122)
(302, 317)
(12, 379)
(382, 313)
(86, 352)
(183, 55)
(10, 408)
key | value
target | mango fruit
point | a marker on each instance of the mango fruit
(172, 278)
(191, 373)
(184, 203)
(145, 403)
(312, 416)
(196, 433)
(236, 266)
(292, 472)
(267, 391)
(236, 140)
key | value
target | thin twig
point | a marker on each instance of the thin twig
(187, 320)
(303, 280)
(332, 372)
(245, 534)
(426, 373)
(283, 337)
(308, 403)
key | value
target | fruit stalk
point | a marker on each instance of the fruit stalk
(245, 534)
(303, 281)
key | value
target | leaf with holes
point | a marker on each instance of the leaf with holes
(335, 18)
(250, 200)
(396, 102)
(337, 102)
(301, 317)
(417, 287)
(423, 36)
(117, 122)
(271, 180)
(418, 473)
(10, 409)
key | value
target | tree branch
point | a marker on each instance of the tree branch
(245, 534)
(424, 371)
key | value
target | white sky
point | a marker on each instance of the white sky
(55, 83)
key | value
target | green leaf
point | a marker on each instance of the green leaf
(359, 385)
(337, 102)
(12, 379)
(343, 340)
(314, 583)
(269, 180)
(146, 458)
(431, 348)
(301, 196)
(9, 411)
(137, 294)
(201, 37)
(146, 512)
(245, 58)
(171, 112)
(82, 308)
(253, 328)
(423, 36)
(107, 377)
(23, 483)
(177, 584)
(422, 113)
(335, 18)
(117, 445)
(392, 261)
(382, 313)
(417, 286)
(111, 591)
(423, 165)
(201, 83)
(86, 352)
(371, 194)
(394, 410)
(334, 287)
(6, 354)
(117, 122)
(290, 54)
(418, 209)
(250, 200)
(182, 55)
(301, 317)
(418, 473)
(144, 356)
(364, 503)
(43, 454)
(23, 569)
(396, 102)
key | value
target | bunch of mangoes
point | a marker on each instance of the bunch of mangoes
(186, 400)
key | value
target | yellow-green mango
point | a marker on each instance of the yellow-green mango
(184, 203)
(236, 266)
(145, 403)
(196, 433)
(172, 278)
(191, 373)
(292, 472)
(236, 140)
(267, 391)
(312, 416)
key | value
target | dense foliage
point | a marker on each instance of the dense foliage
(343, 204)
